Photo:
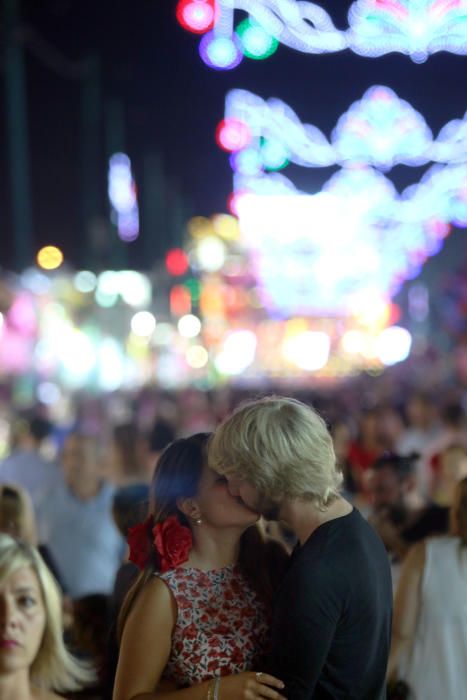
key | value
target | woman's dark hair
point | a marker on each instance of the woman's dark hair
(176, 477)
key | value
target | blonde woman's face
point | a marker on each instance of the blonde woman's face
(22, 621)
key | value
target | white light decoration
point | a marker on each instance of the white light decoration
(189, 326)
(416, 28)
(358, 238)
(110, 365)
(77, 355)
(210, 254)
(122, 196)
(143, 324)
(237, 353)
(379, 130)
(393, 345)
(308, 350)
(197, 356)
(134, 288)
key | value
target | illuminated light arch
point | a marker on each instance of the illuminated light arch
(380, 129)
(358, 238)
(416, 28)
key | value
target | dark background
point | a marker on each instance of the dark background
(169, 104)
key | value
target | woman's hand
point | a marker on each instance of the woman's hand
(250, 686)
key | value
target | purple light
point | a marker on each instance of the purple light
(219, 52)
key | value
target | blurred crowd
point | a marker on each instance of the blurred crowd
(74, 491)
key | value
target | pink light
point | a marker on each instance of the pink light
(393, 7)
(196, 16)
(234, 200)
(442, 7)
(232, 135)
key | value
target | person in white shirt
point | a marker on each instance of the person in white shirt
(80, 532)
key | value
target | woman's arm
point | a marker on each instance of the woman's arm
(145, 650)
(406, 606)
(146, 642)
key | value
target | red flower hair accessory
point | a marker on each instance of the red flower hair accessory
(139, 541)
(173, 542)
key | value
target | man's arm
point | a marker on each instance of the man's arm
(304, 625)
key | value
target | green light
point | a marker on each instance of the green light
(256, 43)
(194, 287)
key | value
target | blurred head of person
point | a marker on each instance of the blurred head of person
(30, 432)
(81, 464)
(452, 468)
(32, 652)
(420, 411)
(17, 513)
(458, 512)
(392, 425)
(130, 506)
(453, 416)
(369, 428)
(341, 438)
(392, 480)
(162, 434)
(129, 454)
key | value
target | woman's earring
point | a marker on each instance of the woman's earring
(198, 521)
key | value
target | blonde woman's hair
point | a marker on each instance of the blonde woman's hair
(17, 513)
(54, 667)
(282, 447)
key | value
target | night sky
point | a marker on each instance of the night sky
(171, 104)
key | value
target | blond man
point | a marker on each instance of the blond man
(332, 614)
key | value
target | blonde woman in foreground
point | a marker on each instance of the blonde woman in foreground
(33, 658)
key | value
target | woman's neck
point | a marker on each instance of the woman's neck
(16, 686)
(214, 549)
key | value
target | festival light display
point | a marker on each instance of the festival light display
(123, 198)
(417, 28)
(358, 239)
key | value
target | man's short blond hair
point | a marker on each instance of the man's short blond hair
(280, 445)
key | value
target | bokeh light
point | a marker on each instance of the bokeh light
(232, 135)
(189, 326)
(196, 16)
(219, 52)
(176, 262)
(143, 323)
(49, 257)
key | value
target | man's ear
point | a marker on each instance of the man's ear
(189, 507)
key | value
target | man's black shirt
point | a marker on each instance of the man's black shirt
(332, 615)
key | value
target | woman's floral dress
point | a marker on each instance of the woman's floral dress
(222, 626)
